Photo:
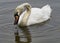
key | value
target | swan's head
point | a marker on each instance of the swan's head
(19, 10)
(16, 16)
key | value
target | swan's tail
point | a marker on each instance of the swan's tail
(46, 10)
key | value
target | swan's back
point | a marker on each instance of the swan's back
(39, 15)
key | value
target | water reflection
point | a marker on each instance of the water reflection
(26, 33)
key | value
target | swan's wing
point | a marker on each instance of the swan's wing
(46, 10)
(35, 16)
(39, 15)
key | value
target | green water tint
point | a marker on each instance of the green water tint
(26, 33)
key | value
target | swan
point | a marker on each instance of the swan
(25, 15)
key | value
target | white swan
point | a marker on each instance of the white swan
(31, 15)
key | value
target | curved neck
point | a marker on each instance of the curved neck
(26, 15)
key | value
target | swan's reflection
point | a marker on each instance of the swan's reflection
(26, 33)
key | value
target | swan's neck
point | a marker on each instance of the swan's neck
(26, 15)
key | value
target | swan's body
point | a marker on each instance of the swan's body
(34, 15)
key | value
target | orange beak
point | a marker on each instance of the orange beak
(16, 20)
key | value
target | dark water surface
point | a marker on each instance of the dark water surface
(49, 32)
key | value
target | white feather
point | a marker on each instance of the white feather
(37, 15)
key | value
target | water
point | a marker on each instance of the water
(48, 32)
